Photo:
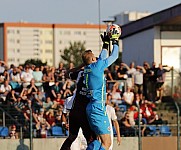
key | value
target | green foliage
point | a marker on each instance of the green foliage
(73, 53)
(36, 62)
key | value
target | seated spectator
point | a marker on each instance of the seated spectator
(68, 88)
(58, 101)
(128, 97)
(50, 117)
(15, 79)
(126, 128)
(58, 118)
(116, 96)
(32, 89)
(2, 66)
(5, 88)
(38, 76)
(47, 104)
(41, 124)
(4, 76)
(12, 133)
(55, 89)
(147, 112)
(24, 94)
(38, 100)
(18, 104)
(26, 76)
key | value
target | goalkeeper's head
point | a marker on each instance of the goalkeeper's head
(88, 57)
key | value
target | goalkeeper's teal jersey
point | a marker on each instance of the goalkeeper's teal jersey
(94, 75)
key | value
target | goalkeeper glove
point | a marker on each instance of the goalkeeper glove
(106, 40)
(115, 37)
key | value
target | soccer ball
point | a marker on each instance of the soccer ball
(114, 27)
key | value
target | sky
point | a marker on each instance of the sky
(75, 11)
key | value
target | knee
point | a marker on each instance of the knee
(106, 144)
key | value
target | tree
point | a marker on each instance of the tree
(36, 62)
(73, 53)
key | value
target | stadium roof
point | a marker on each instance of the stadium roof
(170, 16)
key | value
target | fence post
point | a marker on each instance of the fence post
(178, 125)
(31, 125)
(139, 129)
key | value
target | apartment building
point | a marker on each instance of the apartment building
(22, 41)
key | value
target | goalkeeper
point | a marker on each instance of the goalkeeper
(96, 90)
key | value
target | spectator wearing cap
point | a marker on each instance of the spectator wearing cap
(138, 80)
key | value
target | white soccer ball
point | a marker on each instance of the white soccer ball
(114, 27)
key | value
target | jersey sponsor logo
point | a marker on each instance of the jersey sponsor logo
(87, 70)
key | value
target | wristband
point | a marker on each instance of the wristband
(105, 46)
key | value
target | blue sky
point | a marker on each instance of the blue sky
(74, 11)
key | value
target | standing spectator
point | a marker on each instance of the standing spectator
(122, 75)
(4, 90)
(122, 72)
(108, 75)
(38, 76)
(161, 73)
(49, 81)
(146, 80)
(153, 80)
(130, 72)
(138, 80)
(26, 76)
(60, 72)
(114, 73)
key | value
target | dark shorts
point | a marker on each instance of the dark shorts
(138, 88)
(77, 120)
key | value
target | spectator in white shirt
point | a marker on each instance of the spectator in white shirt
(26, 77)
(4, 90)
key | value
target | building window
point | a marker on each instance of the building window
(48, 42)
(48, 51)
(66, 32)
(18, 31)
(18, 41)
(77, 32)
(18, 50)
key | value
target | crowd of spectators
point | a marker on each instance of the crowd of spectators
(45, 88)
